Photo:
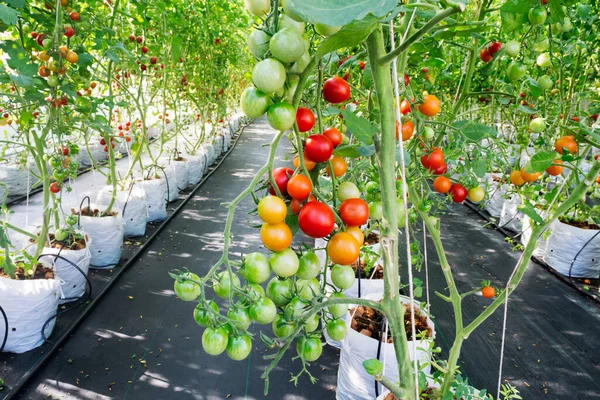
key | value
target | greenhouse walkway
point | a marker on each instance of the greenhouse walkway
(141, 342)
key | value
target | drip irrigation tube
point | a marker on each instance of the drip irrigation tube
(27, 375)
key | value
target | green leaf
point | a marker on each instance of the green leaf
(366, 151)
(511, 21)
(350, 35)
(340, 12)
(540, 161)
(373, 366)
(556, 10)
(528, 209)
(292, 222)
(519, 6)
(527, 110)
(474, 131)
(8, 15)
(176, 48)
(360, 127)
(347, 151)
(22, 80)
(18, 4)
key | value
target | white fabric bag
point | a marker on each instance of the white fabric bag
(565, 242)
(156, 199)
(133, 204)
(170, 179)
(511, 218)
(28, 304)
(494, 205)
(195, 169)
(107, 239)
(219, 144)
(354, 383)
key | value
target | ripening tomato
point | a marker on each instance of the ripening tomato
(305, 119)
(272, 210)
(458, 192)
(488, 292)
(441, 184)
(276, 237)
(555, 170)
(405, 107)
(299, 187)
(566, 142)
(281, 176)
(431, 105)
(485, 55)
(336, 90)
(307, 163)
(527, 177)
(407, 130)
(334, 135)
(433, 160)
(316, 219)
(343, 248)
(494, 47)
(354, 212)
(318, 148)
(339, 166)
(357, 233)
(54, 187)
(406, 80)
(476, 194)
(516, 178)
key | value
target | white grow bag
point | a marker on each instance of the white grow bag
(28, 304)
(107, 239)
(182, 173)
(511, 218)
(195, 169)
(156, 199)
(354, 383)
(169, 179)
(17, 178)
(210, 153)
(219, 144)
(133, 204)
(565, 242)
(496, 201)
(73, 282)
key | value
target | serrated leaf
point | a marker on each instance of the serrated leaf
(350, 35)
(556, 10)
(18, 4)
(8, 15)
(474, 131)
(347, 151)
(360, 127)
(366, 151)
(540, 161)
(340, 12)
(518, 6)
(528, 209)
(373, 366)
(511, 21)
(527, 110)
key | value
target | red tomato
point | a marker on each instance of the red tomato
(485, 55)
(361, 65)
(458, 192)
(354, 212)
(316, 219)
(336, 90)
(318, 148)
(54, 187)
(281, 176)
(433, 160)
(299, 187)
(305, 119)
(442, 169)
(494, 47)
(404, 107)
(334, 135)
(406, 80)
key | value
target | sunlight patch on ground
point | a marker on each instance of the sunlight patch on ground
(68, 391)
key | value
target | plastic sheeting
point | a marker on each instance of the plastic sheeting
(107, 239)
(511, 218)
(567, 242)
(156, 199)
(17, 178)
(494, 205)
(133, 203)
(195, 169)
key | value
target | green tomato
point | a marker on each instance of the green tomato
(279, 291)
(428, 132)
(300, 65)
(309, 348)
(214, 340)
(260, 8)
(326, 30)
(269, 75)
(545, 82)
(516, 70)
(185, 289)
(537, 15)
(338, 310)
(537, 125)
(287, 45)
(52, 81)
(240, 317)
(307, 289)
(312, 323)
(512, 48)
(222, 286)
(282, 328)
(255, 268)
(309, 266)
(255, 291)
(347, 190)
(254, 103)
(202, 315)
(47, 43)
(542, 45)
(281, 116)
(336, 329)
(61, 235)
(544, 61)
(258, 43)
(71, 219)
(565, 26)
(375, 211)
(342, 276)
(372, 187)
(59, 175)
(263, 311)
(288, 10)
(284, 263)
(296, 307)
(239, 347)
(286, 22)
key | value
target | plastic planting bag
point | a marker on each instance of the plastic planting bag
(210, 153)
(107, 239)
(17, 178)
(566, 242)
(195, 169)
(28, 304)
(181, 173)
(133, 203)
(511, 217)
(156, 199)
(219, 144)
(494, 205)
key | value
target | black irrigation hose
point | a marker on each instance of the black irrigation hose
(358, 270)
(5, 329)
(578, 253)
(379, 353)
(27, 375)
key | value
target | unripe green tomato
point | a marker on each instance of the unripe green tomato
(543, 60)
(542, 45)
(537, 15)
(545, 82)
(326, 30)
(537, 125)
(375, 210)
(516, 70)
(52, 81)
(372, 187)
(47, 43)
(512, 48)
(428, 132)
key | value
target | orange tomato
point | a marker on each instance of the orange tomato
(357, 233)
(488, 292)
(63, 50)
(407, 130)
(299, 187)
(307, 163)
(516, 178)
(555, 170)
(339, 166)
(272, 210)
(566, 142)
(72, 57)
(529, 177)
(431, 106)
(343, 248)
(441, 184)
(43, 72)
(276, 237)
